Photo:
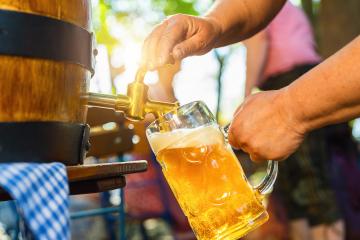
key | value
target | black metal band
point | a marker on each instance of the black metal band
(44, 142)
(35, 36)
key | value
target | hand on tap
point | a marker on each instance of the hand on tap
(177, 37)
(270, 125)
(227, 22)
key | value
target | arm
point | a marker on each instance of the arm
(256, 53)
(272, 124)
(228, 21)
(240, 19)
(332, 90)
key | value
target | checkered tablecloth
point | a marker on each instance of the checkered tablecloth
(41, 193)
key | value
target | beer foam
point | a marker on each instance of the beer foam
(182, 138)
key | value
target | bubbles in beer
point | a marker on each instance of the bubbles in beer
(196, 156)
(207, 181)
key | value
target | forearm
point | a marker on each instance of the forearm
(243, 18)
(249, 84)
(256, 52)
(328, 94)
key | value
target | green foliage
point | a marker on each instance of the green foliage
(101, 28)
(170, 7)
(127, 11)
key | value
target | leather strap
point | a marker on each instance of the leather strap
(35, 36)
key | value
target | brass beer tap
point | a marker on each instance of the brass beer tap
(135, 104)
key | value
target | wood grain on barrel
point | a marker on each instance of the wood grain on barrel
(44, 90)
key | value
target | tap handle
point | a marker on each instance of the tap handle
(140, 75)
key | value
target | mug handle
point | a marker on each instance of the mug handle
(266, 185)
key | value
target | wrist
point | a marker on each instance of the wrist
(216, 24)
(214, 17)
(292, 112)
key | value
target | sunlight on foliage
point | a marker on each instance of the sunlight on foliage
(137, 15)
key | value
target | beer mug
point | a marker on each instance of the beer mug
(205, 175)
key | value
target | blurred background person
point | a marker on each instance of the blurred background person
(345, 169)
(276, 57)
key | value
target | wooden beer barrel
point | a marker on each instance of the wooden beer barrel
(38, 89)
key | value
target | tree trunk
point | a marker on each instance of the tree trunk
(307, 5)
(339, 23)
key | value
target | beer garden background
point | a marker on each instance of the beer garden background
(122, 25)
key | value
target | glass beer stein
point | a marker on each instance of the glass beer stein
(205, 175)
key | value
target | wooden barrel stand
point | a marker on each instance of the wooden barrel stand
(42, 91)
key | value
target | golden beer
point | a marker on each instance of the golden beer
(208, 182)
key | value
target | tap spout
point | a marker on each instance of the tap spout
(160, 108)
(116, 102)
(136, 104)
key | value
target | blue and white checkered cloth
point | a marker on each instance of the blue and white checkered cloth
(41, 193)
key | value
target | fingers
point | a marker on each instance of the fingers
(172, 35)
(239, 143)
(194, 45)
(239, 138)
(159, 45)
(234, 142)
(150, 46)
(263, 129)
(176, 38)
(257, 158)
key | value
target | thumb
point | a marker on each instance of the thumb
(257, 158)
(195, 45)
